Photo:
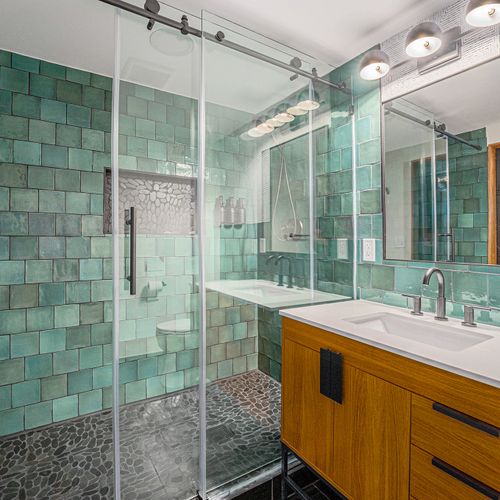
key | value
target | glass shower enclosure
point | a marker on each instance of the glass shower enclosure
(152, 225)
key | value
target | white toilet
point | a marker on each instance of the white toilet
(174, 327)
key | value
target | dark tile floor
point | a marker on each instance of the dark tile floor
(315, 488)
(159, 444)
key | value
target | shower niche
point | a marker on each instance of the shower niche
(165, 204)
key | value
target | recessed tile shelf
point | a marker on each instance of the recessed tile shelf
(165, 204)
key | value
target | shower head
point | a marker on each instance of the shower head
(154, 7)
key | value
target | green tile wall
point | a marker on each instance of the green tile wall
(55, 260)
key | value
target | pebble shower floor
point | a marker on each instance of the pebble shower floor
(159, 446)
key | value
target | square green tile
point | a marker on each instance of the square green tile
(29, 153)
(52, 340)
(80, 159)
(23, 247)
(25, 105)
(14, 80)
(54, 156)
(79, 381)
(25, 393)
(40, 177)
(40, 318)
(38, 415)
(52, 201)
(65, 408)
(14, 321)
(38, 366)
(12, 371)
(79, 116)
(65, 361)
(53, 111)
(67, 315)
(22, 296)
(42, 86)
(68, 135)
(40, 131)
(38, 271)
(51, 294)
(90, 402)
(14, 127)
(24, 200)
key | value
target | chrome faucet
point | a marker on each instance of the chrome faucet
(277, 258)
(441, 299)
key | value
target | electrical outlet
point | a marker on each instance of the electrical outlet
(369, 250)
(342, 252)
(262, 245)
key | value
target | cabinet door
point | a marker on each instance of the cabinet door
(307, 416)
(372, 438)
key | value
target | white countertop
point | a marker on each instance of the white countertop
(480, 362)
(271, 296)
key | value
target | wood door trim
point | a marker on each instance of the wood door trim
(492, 203)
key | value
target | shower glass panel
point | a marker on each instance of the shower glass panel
(262, 125)
(155, 186)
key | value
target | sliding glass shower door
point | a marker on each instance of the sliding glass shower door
(152, 189)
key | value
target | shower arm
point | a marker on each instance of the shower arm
(219, 37)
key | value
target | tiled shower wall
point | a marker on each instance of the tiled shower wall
(332, 153)
(55, 260)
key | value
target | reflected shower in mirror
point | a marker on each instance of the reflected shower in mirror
(441, 155)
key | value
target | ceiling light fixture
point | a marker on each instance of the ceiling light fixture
(374, 65)
(308, 105)
(273, 122)
(265, 128)
(483, 13)
(255, 132)
(423, 40)
(296, 111)
(284, 117)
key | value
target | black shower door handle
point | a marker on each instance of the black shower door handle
(130, 220)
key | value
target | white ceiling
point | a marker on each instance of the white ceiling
(80, 33)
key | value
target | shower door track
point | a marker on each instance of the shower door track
(219, 38)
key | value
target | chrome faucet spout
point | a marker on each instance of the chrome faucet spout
(441, 299)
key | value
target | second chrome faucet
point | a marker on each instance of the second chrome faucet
(441, 298)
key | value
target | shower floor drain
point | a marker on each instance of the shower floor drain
(219, 433)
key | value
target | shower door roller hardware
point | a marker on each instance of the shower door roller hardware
(330, 374)
(130, 220)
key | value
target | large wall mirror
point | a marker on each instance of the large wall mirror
(441, 156)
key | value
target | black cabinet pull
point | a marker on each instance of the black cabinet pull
(130, 220)
(466, 419)
(466, 479)
(330, 374)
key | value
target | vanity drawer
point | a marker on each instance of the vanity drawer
(433, 479)
(462, 441)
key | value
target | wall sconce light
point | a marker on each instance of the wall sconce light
(483, 13)
(423, 40)
(374, 65)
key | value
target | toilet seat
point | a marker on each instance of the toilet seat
(174, 326)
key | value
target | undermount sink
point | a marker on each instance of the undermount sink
(434, 334)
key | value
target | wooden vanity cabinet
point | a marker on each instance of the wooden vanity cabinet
(400, 430)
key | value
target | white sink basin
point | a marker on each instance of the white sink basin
(418, 330)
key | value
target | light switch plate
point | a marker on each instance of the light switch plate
(342, 252)
(262, 245)
(369, 250)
